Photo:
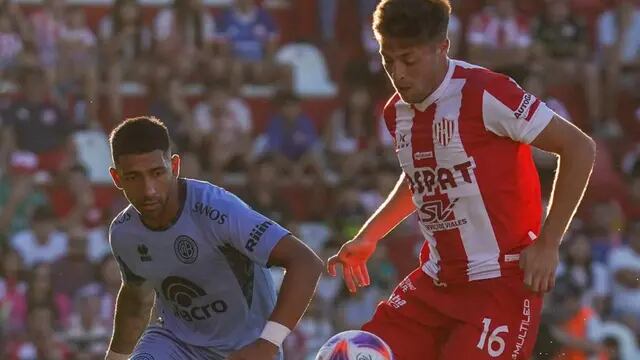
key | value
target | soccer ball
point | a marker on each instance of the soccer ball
(355, 345)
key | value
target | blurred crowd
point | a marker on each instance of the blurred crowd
(280, 102)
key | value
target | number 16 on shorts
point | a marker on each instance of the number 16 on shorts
(493, 343)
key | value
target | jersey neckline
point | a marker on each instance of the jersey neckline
(183, 194)
(424, 104)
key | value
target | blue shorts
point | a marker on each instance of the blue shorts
(158, 343)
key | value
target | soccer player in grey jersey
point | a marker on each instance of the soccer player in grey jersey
(203, 255)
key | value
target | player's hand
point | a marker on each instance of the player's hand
(260, 349)
(353, 256)
(539, 262)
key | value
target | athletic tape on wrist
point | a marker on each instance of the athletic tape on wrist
(275, 333)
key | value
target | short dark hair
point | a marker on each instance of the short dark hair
(419, 20)
(139, 135)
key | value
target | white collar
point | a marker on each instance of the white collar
(422, 106)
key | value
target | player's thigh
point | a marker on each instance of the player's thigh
(158, 343)
(507, 331)
(408, 340)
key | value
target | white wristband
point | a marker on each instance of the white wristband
(275, 333)
(112, 355)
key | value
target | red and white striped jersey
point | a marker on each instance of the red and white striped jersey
(465, 153)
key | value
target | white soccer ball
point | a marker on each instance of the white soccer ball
(355, 345)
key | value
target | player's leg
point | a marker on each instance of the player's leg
(506, 329)
(413, 329)
(158, 343)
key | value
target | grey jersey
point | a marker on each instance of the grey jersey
(208, 269)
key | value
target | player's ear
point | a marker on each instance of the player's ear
(115, 177)
(175, 165)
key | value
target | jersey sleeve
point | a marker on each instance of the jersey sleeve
(250, 232)
(509, 111)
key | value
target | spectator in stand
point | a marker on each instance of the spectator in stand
(579, 267)
(631, 202)
(37, 125)
(42, 242)
(184, 35)
(562, 53)
(78, 75)
(19, 195)
(75, 202)
(264, 190)
(41, 294)
(292, 138)
(350, 135)
(126, 45)
(455, 36)
(13, 301)
(16, 16)
(168, 103)
(383, 179)
(499, 38)
(624, 266)
(353, 310)
(47, 24)
(250, 37)
(73, 271)
(573, 326)
(42, 342)
(311, 333)
(11, 45)
(86, 331)
(619, 45)
(190, 166)
(110, 282)
(328, 12)
(222, 128)
(631, 161)
(349, 211)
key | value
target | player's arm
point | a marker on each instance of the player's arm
(576, 152)
(133, 308)
(354, 254)
(303, 268)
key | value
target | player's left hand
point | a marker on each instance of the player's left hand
(258, 350)
(539, 262)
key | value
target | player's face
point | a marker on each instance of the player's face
(147, 180)
(412, 67)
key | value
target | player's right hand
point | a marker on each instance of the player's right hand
(353, 256)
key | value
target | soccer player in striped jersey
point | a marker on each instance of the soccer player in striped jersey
(463, 136)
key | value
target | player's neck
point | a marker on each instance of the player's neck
(440, 70)
(171, 212)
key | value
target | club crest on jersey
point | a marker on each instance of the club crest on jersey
(443, 131)
(186, 249)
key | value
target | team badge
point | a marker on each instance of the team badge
(186, 249)
(443, 131)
